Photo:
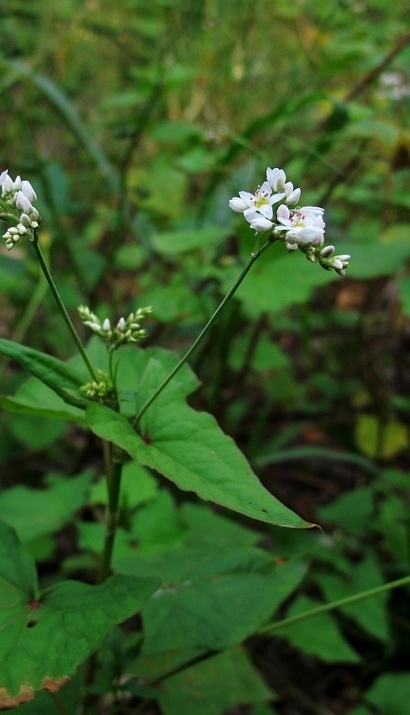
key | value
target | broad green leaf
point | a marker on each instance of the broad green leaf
(369, 613)
(64, 380)
(45, 636)
(390, 694)
(217, 607)
(35, 398)
(35, 512)
(189, 448)
(213, 686)
(139, 372)
(34, 433)
(278, 280)
(392, 523)
(351, 511)
(318, 635)
(206, 527)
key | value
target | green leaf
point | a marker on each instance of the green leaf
(369, 613)
(217, 603)
(35, 398)
(277, 281)
(391, 694)
(351, 511)
(189, 448)
(318, 635)
(174, 243)
(213, 686)
(45, 636)
(35, 512)
(64, 380)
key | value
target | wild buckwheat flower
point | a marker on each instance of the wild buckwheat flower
(274, 207)
(16, 207)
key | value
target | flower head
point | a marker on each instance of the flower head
(127, 330)
(16, 199)
(298, 227)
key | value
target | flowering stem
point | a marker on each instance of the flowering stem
(62, 307)
(273, 627)
(258, 250)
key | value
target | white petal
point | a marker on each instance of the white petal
(283, 213)
(293, 197)
(28, 191)
(3, 176)
(237, 205)
(261, 224)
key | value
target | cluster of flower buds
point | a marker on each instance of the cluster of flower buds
(101, 388)
(16, 199)
(274, 207)
(127, 330)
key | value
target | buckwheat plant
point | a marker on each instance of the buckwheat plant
(122, 399)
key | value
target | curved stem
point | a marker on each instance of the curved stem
(273, 627)
(258, 250)
(62, 307)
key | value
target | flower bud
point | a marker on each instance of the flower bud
(28, 191)
(327, 251)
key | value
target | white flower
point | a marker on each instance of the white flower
(3, 176)
(106, 326)
(261, 202)
(304, 226)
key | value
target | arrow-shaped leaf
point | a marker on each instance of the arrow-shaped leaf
(190, 449)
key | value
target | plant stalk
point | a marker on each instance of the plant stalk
(273, 627)
(258, 250)
(111, 518)
(62, 307)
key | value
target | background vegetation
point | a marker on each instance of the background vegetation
(136, 122)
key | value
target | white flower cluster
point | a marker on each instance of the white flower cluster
(300, 228)
(16, 201)
(127, 330)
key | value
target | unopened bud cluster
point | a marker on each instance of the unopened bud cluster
(275, 207)
(101, 388)
(127, 330)
(16, 206)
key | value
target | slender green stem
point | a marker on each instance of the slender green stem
(62, 307)
(111, 518)
(273, 627)
(258, 250)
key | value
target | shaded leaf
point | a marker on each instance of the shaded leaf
(317, 635)
(63, 379)
(45, 636)
(213, 686)
(217, 607)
